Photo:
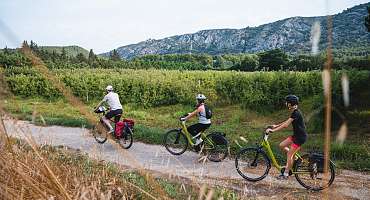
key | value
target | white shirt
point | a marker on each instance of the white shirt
(113, 101)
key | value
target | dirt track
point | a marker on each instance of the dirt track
(155, 158)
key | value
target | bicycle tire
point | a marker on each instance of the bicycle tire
(127, 139)
(251, 157)
(99, 137)
(175, 142)
(219, 149)
(304, 164)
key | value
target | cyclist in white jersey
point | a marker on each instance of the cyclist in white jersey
(112, 99)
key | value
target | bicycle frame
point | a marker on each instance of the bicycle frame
(189, 136)
(266, 146)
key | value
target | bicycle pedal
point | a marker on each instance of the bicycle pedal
(283, 170)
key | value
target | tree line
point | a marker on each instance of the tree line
(272, 60)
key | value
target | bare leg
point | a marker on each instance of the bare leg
(290, 157)
(107, 122)
(284, 145)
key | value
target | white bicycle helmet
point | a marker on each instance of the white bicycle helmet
(109, 88)
(201, 97)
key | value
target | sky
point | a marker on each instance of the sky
(103, 25)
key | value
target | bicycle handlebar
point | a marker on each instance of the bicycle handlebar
(264, 133)
(183, 116)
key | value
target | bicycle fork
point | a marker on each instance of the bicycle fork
(254, 163)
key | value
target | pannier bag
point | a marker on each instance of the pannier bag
(317, 160)
(120, 126)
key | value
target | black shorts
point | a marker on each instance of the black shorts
(113, 113)
(197, 128)
(298, 140)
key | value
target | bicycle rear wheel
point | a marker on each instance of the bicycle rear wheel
(252, 164)
(310, 174)
(100, 135)
(126, 139)
(216, 147)
(175, 142)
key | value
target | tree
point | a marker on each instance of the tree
(81, 58)
(6, 50)
(274, 59)
(249, 63)
(92, 57)
(25, 44)
(33, 46)
(367, 20)
(219, 62)
(63, 55)
(114, 55)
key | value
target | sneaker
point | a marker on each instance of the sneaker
(111, 131)
(198, 141)
(282, 177)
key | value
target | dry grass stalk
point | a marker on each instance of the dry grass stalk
(67, 93)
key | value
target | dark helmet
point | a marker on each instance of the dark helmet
(292, 99)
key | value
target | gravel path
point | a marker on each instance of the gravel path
(347, 185)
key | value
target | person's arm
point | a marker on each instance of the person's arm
(195, 112)
(282, 125)
(101, 102)
(277, 125)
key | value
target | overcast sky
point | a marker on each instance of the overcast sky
(103, 25)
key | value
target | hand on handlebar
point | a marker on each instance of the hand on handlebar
(268, 131)
(183, 118)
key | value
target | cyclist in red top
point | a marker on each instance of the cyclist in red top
(299, 136)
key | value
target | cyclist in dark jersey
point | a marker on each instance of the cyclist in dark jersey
(299, 136)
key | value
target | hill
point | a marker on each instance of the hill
(71, 50)
(291, 34)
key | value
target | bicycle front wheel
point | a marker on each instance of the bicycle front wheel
(175, 142)
(252, 164)
(310, 174)
(216, 147)
(126, 140)
(99, 135)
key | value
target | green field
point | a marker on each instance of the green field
(148, 88)
(242, 102)
(235, 121)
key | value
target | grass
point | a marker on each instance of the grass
(79, 176)
(152, 123)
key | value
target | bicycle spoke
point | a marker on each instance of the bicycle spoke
(175, 142)
(216, 147)
(308, 174)
(251, 164)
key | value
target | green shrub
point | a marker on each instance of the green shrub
(161, 87)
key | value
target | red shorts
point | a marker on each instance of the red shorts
(294, 145)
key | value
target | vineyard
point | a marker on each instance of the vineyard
(168, 87)
(59, 142)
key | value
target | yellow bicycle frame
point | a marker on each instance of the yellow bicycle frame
(189, 137)
(266, 146)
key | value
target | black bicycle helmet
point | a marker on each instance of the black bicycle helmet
(292, 99)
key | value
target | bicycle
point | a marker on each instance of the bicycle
(253, 164)
(215, 145)
(123, 130)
